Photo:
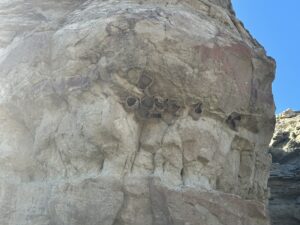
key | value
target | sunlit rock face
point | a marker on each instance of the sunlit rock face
(132, 112)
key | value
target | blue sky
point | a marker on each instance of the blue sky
(276, 25)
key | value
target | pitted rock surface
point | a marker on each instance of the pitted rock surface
(132, 112)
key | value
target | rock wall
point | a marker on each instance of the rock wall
(132, 112)
(284, 181)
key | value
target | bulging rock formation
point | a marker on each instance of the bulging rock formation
(284, 179)
(132, 113)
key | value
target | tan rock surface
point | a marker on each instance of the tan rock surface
(132, 112)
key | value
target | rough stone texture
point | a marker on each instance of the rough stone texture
(284, 181)
(132, 112)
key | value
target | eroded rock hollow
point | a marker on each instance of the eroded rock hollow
(132, 113)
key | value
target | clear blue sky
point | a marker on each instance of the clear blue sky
(276, 25)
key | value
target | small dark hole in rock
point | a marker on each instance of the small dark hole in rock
(230, 123)
(198, 108)
(181, 172)
(233, 120)
(131, 101)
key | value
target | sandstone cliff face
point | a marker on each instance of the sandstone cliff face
(132, 112)
(284, 179)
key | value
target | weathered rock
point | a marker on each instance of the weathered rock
(284, 179)
(132, 112)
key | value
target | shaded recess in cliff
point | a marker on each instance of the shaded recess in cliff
(284, 181)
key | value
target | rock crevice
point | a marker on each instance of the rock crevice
(284, 181)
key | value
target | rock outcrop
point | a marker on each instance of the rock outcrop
(284, 180)
(132, 112)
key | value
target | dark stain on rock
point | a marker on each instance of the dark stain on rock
(172, 106)
(144, 81)
(156, 115)
(147, 102)
(202, 160)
